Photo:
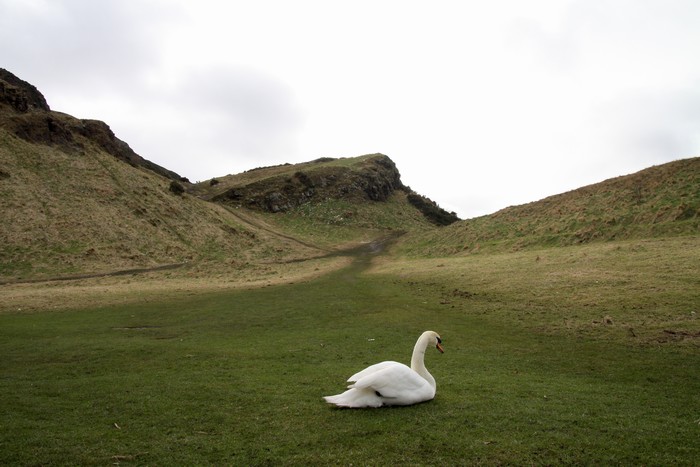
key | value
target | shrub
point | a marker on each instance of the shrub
(177, 188)
(431, 210)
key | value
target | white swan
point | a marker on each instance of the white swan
(392, 383)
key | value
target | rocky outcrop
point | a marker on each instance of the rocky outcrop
(374, 180)
(25, 113)
(20, 95)
(371, 178)
(102, 135)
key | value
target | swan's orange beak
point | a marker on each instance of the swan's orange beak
(439, 347)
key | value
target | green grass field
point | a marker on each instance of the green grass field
(236, 377)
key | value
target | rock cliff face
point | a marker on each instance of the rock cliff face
(374, 180)
(19, 94)
(25, 113)
(370, 178)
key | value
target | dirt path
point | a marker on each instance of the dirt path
(244, 218)
(255, 223)
(361, 255)
(168, 282)
(121, 272)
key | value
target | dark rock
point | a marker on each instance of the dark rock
(101, 134)
(376, 180)
(40, 127)
(19, 94)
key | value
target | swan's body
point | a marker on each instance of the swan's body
(392, 383)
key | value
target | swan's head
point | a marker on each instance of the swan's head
(434, 337)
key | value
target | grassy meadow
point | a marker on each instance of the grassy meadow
(533, 372)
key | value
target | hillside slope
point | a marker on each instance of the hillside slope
(329, 201)
(76, 200)
(659, 201)
(78, 212)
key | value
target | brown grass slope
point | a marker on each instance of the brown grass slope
(67, 212)
(660, 201)
(76, 200)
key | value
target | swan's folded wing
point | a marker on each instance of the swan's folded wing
(371, 369)
(394, 381)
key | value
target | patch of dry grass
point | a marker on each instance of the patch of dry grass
(159, 285)
(332, 223)
(643, 291)
(660, 201)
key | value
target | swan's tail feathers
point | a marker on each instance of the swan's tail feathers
(355, 398)
(337, 400)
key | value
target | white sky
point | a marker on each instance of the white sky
(481, 104)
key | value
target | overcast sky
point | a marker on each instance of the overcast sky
(481, 104)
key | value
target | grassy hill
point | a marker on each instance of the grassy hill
(356, 191)
(71, 212)
(79, 209)
(656, 202)
(77, 200)
(328, 201)
(282, 187)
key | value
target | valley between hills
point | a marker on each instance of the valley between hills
(146, 319)
(86, 220)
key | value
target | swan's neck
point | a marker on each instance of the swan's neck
(418, 359)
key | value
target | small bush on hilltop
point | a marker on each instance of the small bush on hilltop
(431, 210)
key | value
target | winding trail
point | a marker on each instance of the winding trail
(362, 255)
(257, 224)
(121, 272)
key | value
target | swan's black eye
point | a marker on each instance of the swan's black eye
(439, 340)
